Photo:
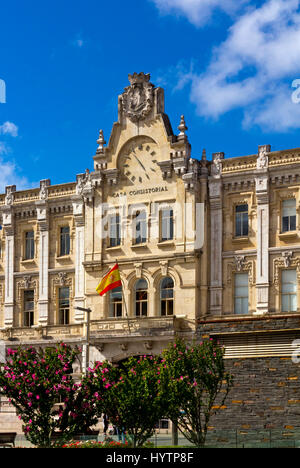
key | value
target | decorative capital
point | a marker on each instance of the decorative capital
(239, 262)
(287, 258)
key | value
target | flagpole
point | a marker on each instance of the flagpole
(123, 299)
(126, 311)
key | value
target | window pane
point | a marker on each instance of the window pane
(141, 298)
(245, 224)
(115, 303)
(289, 291)
(244, 305)
(141, 284)
(115, 230)
(28, 308)
(292, 223)
(29, 245)
(167, 224)
(289, 215)
(284, 303)
(241, 279)
(241, 220)
(285, 224)
(65, 240)
(289, 276)
(241, 208)
(293, 302)
(289, 207)
(144, 309)
(163, 308)
(241, 293)
(237, 306)
(141, 227)
(167, 283)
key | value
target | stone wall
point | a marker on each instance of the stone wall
(266, 394)
(266, 391)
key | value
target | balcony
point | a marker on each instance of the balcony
(104, 330)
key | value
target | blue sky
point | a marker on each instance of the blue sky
(227, 65)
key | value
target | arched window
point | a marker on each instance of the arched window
(115, 303)
(141, 298)
(166, 296)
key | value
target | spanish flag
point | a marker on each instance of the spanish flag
(110, 281)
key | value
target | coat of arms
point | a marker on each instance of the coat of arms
(137, 99)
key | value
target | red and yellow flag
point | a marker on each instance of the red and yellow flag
(110, 281)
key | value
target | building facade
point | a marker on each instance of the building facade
(206, 248)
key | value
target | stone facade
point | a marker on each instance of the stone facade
(232, 233)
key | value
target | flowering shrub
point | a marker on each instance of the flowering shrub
(40, 386)
(94, 444)
(193, 377)
(132, 395)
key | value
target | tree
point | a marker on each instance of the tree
(194, 377)
(40, 385)
(132, 395)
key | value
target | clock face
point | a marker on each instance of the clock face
(139, 162)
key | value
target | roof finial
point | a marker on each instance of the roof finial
(182, 128)
(101, 142)
(204, 155)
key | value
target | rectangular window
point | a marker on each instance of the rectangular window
(28, 308)
(140, 227)
(289, 215)
(241, 293)
(29, 245)
(241, 220)
(115, 303)
(64, 306)
(167, 224)
(289, 291)
(65, 240)
(114, 231)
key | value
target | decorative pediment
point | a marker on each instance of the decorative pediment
(142, 123)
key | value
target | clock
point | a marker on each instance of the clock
(138, 162)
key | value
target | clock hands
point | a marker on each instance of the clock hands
(139, 161)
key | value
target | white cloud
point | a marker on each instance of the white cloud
(254, 67)
(10, 175)
(198, 12)
(3, 148)
(9, 128)
(78, 41)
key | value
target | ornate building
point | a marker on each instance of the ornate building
(205, 248)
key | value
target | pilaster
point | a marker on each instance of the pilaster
(79, 296)
(216, 233)
(42, 219)
(8, 225)
(262, 197)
